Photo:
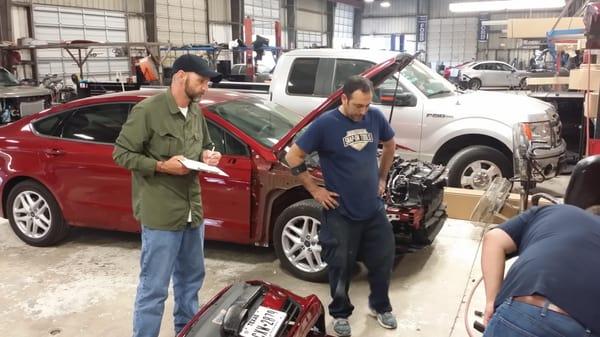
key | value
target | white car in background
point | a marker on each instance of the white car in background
(480, 74)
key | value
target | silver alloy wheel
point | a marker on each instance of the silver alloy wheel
(300, 243)
(479, 175)
(32, 214)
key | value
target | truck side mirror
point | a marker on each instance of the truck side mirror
(405, 99)
(401, 99)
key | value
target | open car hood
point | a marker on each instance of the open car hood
(377, 74)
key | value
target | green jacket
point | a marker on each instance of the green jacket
(155, 131)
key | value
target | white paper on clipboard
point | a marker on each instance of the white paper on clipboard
(200, 166)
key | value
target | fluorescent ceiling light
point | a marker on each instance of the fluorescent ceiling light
(369, 1)
(504, 5)
(494, 23)
(385, 4)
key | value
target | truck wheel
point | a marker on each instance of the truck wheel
(296, 241)
(475, 84)
(34, 214)
(476, 166)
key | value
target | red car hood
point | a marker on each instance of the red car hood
(377, 74)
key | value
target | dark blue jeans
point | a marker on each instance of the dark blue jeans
(343, 242)
(516, 319)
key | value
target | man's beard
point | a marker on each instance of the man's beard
(189, 93)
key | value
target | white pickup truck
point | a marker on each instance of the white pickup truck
(470, 132)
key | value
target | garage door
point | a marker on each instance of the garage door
(455, 43)
(181, 21)
(59, 24)
(343, 26)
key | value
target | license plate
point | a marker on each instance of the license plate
(265, 322)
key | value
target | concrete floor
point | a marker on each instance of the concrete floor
(86, 285)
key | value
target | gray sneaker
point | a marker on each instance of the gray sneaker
(386, 319)
(341, 327)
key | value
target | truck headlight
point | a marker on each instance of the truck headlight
(539, 132)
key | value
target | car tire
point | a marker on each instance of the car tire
(476, 166)
(475, 84)
(300, 221)
(34, 214)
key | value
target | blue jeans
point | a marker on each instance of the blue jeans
(516, 319)
(345, 241)
(179, 254)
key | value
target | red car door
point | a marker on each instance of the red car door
(226, 200)
(92, 190)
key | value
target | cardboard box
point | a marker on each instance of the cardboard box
(561, 80)
(537, 28)
(578, 79)
(590, 105)
(461, 203)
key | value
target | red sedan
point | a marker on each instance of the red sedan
(56, 171)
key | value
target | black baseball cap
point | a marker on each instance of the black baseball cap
(196, 64)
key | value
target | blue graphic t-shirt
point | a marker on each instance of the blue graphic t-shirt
(348, 158)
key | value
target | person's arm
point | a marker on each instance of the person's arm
(387, 157)
(129, 146)
(295, 159)
(389, 147)
(497, 244)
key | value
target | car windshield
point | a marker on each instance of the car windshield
(264, 121)
(7, 79)
(426, 80)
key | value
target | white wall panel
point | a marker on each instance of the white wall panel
(20, 26)
(219, 10)
(311, 21)
(439, 8)
(136, 28)
(220, 33)
(403, 25)
(397, 8)
(313, 5)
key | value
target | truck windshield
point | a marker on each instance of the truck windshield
(262, 120)
(7, 79)
(428, 82)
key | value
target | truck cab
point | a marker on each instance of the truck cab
(469, 131)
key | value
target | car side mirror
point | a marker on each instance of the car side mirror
(513, 70)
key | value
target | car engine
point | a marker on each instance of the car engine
(414, 203)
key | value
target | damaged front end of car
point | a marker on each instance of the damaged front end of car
(414, 203)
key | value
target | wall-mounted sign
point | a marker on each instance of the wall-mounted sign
(421, 28)
(482, 32)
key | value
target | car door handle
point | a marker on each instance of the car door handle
(54, 152)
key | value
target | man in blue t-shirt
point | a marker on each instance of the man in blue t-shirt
(553, 288)
(354, 223)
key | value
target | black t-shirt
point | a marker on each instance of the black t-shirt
(559, 258)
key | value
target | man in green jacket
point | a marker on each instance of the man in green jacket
(161, 131)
